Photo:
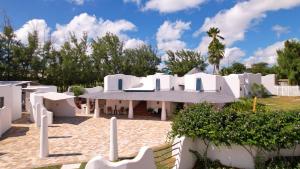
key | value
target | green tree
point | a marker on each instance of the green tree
(180, 62)
(215, 49)
(9, 49)
(235, 68)
(289, 61)
(263, 68)
(140, 61)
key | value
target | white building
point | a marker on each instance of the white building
(10, 105)
(161, 94)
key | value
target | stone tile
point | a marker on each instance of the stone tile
(78, 139)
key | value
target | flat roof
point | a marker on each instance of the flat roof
(55, 96)
(14, 83)
(171, 96)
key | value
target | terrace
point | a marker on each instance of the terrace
(77, 139)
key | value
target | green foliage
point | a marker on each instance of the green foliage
(77, 90)
(72, 62)
(262, 68)
(289, 61)
(258, 90)
(181, 62)
(264, 129)
(216, 49)
(235, 68)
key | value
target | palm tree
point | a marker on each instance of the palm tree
(215, 49)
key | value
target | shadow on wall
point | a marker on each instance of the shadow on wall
(71, 120)
(15, 132)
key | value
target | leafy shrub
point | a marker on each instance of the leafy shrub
(264, 129)
(245, 105)
(77, 90)
(258, 90)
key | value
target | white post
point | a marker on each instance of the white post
(38, 115)
(97, 111)
(130, 111)
(163, 111)
(87, 106)
(44, 151)
(113, 150)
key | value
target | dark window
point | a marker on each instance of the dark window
(1, 102)
(120, 84)
(157, 84)
(198, 84)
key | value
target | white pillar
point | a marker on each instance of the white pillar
(130, 111)
(163, 111)
(87, 106)
(38, 115)
(44, 151)
(113, 149)
(97, 111)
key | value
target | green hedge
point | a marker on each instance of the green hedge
(77, 90)
(237, 124)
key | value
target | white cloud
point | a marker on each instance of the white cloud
(133, 43)
(169, 34)
(267, 54)
(77, 2)
(169, 6)
(38, 25)
(278, 29)
(236, 21)
(232, 55)
(92, 26)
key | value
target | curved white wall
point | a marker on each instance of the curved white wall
(144, 160)
(12, 100)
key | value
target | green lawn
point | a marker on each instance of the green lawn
(281, 103)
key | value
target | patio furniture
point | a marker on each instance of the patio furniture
(115, 110)
(122, 110)
(109, 110)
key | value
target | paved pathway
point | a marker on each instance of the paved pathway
(77, 139)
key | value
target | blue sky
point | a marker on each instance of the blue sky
(253, 29)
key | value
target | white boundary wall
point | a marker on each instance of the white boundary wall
(144, 160)
(234, 155)
(5, 120)
(12, 100)
(269, 83)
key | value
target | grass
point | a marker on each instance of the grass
(281, 103)
(165, 151)
(82, 166)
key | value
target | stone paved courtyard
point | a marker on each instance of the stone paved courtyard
(77, 139)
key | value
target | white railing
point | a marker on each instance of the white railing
(287, 90)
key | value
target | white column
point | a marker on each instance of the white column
(163, 111)
(87, 106)
(130, 111)
(44, 151)
(97, 111)
(38, 115)
(113, 147)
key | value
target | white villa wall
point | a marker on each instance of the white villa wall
(5, 120)
(12, 100)
(269, 83)
(235, 155)
(233, 84)
(209, 82)
(250, 79)
(144, 160)
(60, 108)
(111, 82)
